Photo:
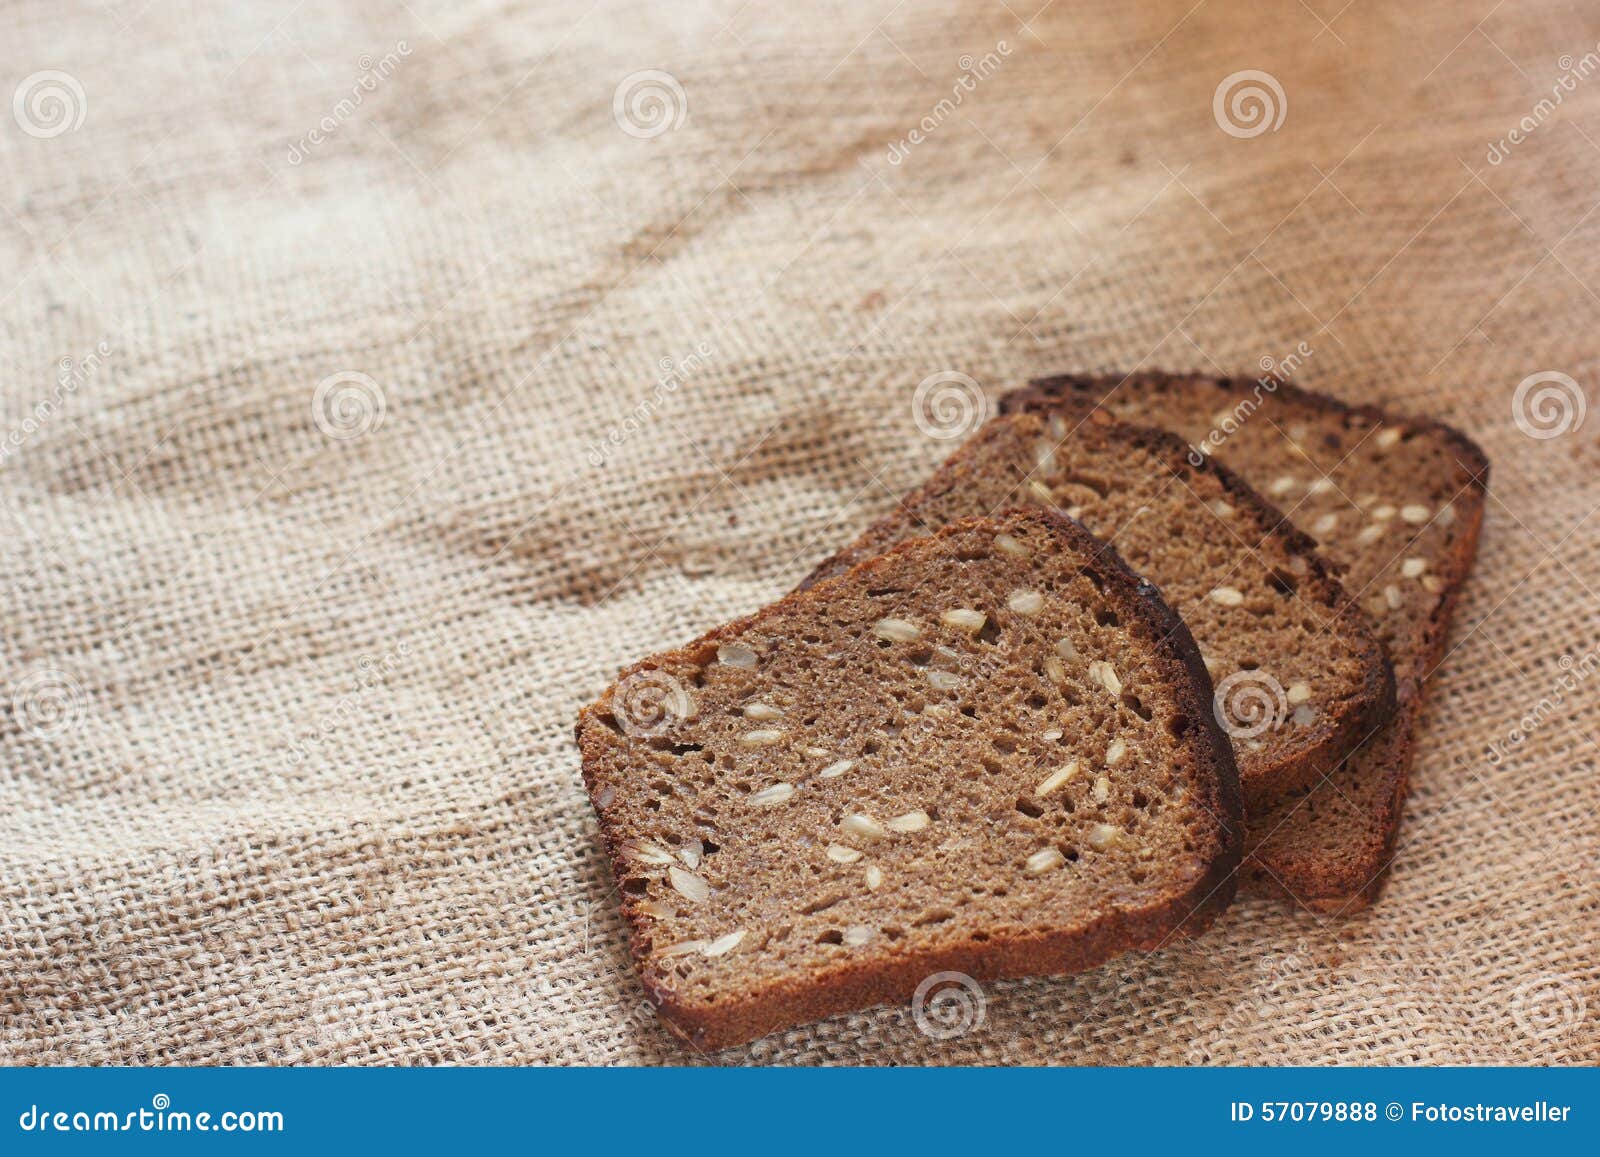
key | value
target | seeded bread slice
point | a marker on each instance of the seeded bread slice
(816, 808)
(1400, 510)
(1301, 678)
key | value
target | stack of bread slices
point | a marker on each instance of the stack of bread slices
(1138, 642)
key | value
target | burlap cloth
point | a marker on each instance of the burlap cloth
(310, 564)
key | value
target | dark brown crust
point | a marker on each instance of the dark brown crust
(1343, 888)
(813, 996)
(1320, 878)
(1265, 783)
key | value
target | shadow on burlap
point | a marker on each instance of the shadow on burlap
(374, 480)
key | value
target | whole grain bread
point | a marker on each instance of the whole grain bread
(988, 752)
(1398, 502)
(1300, 676)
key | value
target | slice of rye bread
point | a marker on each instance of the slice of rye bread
(1301, 677)
(1401, 515)
(813, 809)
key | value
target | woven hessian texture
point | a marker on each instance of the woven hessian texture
(310, 563)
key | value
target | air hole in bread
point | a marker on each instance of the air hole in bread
(1284, 584)
(821, 904)
(677, 749)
